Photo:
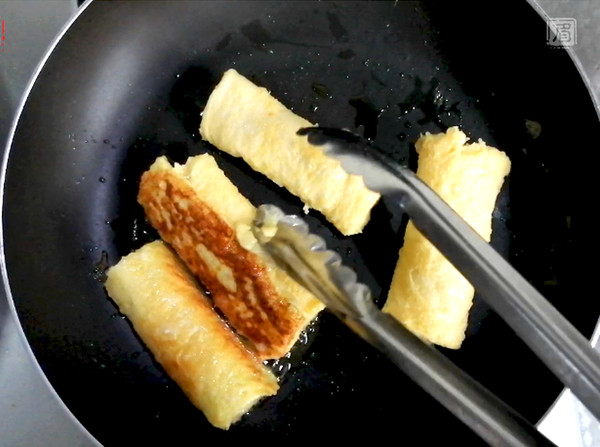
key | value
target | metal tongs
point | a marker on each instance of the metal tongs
(551, 337)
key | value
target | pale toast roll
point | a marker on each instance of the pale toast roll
(177, 323)
(245, 121)
(428, 295)
(201, 214)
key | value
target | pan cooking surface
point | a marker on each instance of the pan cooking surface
(128, 82)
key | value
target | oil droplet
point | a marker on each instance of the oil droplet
(297, 355)
(336, 28)
(320, 90)
(405, 109)
(99, 271)
(256, 33)
(534, 128)
(434, 105)
(346, 54)
(367, 115)
(102, 180)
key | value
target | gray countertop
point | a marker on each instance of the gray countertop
(30, 413)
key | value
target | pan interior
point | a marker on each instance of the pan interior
(128, 83)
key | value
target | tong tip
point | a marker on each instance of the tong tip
(304, 255)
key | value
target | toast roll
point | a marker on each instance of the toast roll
(428, 295)
(201, 214)
(177, 323)
(245, 121)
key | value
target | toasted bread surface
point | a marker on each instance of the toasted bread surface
(197, 210)
(187, 337)
(245, 121)
(428, 294)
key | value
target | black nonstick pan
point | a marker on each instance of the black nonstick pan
(127, 82)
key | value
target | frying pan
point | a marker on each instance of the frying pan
(127, 82)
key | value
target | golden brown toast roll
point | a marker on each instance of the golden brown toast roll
(428, 295)
(245, 121)
(197, 210)
(177, 323)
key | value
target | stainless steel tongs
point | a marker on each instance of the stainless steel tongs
(552, 338)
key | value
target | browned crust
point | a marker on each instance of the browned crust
(265, 319)
(177, 322)
(172, 365)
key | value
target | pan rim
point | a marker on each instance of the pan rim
(3, 268)
(594, 339)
